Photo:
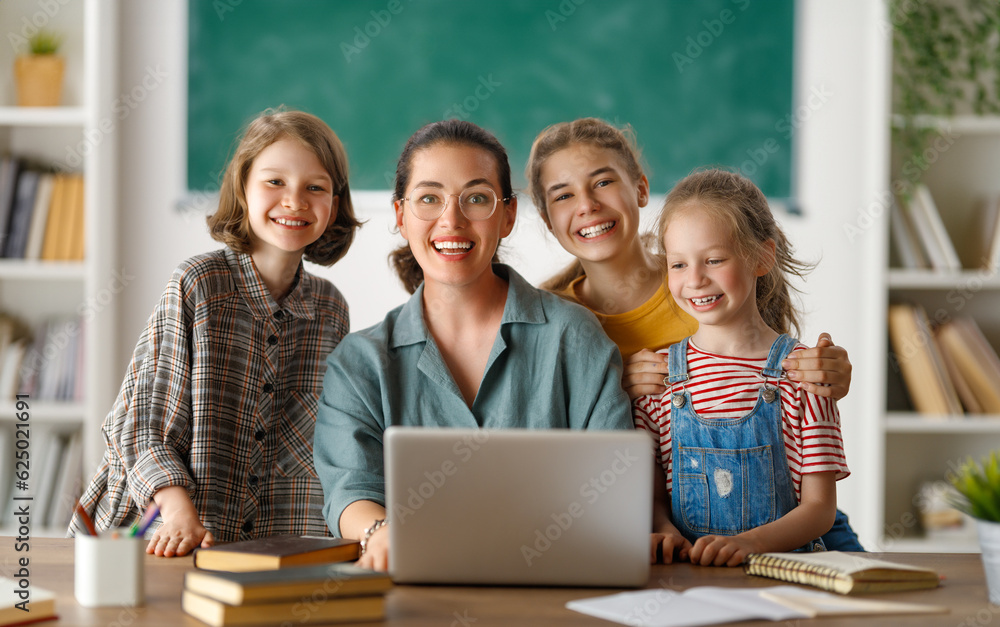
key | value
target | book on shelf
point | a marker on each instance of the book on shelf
(331, 610)
(915, 353)
(10, 168)
(274, 552)
(57, 218)
(50, 368)
(53, 447)
(905, 242)
(989, 252)
(63, 239)
(7, 464)
(843, 573)
(20, 214)
(927, 224)
(40, 606)
(964, 390)
(69, 483)
(72, 241)
(286, 584)
(975, 361)
(39, 216)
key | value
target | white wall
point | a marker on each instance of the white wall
(841, 82)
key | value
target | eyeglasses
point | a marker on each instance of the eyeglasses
(475, 203)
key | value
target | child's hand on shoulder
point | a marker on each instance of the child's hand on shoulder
(722, 550)
(181, 530)
(664, 546)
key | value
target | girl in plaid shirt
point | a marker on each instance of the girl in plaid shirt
(214, 421)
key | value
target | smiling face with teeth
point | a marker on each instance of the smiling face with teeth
(592, 205)
(708, 278)
(289, 201)
(453, 250)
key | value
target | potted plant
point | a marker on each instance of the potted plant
(39, 73)
(978, 485)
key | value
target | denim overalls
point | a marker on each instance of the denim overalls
(729, 475)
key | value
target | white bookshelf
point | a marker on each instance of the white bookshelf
(34, 290)
(918, 448)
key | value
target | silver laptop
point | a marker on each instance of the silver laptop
(518, 507)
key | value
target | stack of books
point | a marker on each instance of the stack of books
(919, 237)
(41, 212)
(948, 369)
(283, 579)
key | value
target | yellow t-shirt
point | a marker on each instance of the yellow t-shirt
(655, 324)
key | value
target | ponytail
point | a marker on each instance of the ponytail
(410, 274)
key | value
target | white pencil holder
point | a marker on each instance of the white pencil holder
(109, 570)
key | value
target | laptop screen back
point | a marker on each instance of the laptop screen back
(518, 507)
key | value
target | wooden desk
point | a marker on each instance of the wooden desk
(963, 590)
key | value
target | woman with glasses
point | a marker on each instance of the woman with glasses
(475, 346)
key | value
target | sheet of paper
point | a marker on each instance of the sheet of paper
(694, 607)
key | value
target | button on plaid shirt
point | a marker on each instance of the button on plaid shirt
(220, 397)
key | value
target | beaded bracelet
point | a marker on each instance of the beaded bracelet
(378, 524)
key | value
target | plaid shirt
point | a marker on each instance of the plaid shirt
(221, 398)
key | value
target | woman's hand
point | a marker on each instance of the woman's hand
(644, 373)
(181, 530)
(376, 555)
(824, 370)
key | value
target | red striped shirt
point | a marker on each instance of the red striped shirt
(727, 387)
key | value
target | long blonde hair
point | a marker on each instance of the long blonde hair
(586, 131)
(738, 203)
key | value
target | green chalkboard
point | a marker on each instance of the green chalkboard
(702, 83)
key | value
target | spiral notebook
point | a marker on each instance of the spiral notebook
(844, 573)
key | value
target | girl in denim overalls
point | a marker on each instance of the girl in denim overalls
(750, 460)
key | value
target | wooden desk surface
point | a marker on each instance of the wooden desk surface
(51, 566)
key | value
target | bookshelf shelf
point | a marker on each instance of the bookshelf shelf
(961, 124)
(916, 448)
(48, 412)
(42, 270)
(909, 422)
(42, 116)
(988, 279)
(53, 297)
(919, 544)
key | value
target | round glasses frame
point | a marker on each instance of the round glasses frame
(466, 204)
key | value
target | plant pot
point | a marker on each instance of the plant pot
(989, 544)
(39, 80)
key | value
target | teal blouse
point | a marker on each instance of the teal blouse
(551, 367)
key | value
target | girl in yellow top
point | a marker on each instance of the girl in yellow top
(585, 180)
